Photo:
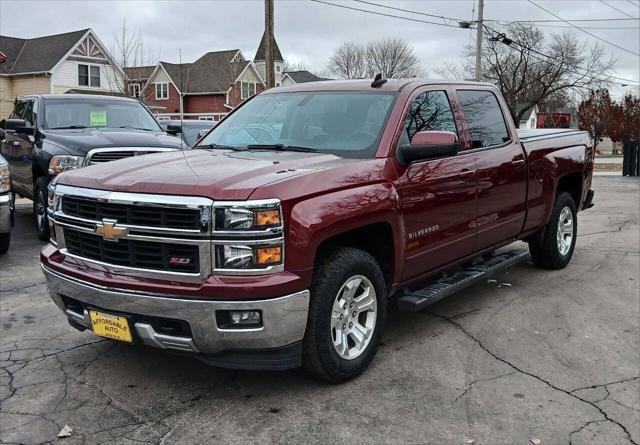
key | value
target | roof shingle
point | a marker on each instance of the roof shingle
(36, 55)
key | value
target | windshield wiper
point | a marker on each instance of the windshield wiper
(219, 147)
(135, 128)
(281, 147)
(69, 127)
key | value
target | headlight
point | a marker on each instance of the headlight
(249, 216)
(249, 257)
(63, 163)
(52, 198)
(248, 237)
(5, 183)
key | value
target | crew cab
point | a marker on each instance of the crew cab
(52, 133)
(278, 240)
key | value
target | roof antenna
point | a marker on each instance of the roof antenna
(378, 81)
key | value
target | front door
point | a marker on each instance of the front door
(501, 168)
(437, 197)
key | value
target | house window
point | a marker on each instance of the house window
(247, 89)
(205, 118)
(89, 75)
(278, 68)
(134, 90)
(162, 91)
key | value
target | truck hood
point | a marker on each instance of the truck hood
(80, 141)
(216, 174)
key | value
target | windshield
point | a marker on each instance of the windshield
(347, 124)
(97, 113)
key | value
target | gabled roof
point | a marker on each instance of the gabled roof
(303, 76)
(139, 72)
(261, 52)
(36, 55)
(214, 72)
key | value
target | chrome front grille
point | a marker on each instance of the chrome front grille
(149, 235)
(101, 155)
(166, 217)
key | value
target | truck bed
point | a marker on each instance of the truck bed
(531, 134)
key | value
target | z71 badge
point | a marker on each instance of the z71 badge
(422, 232)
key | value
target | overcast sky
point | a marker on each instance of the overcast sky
(308, 32)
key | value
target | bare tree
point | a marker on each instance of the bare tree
(289, 66)
(533, 69)
(348, 61)
(450, 70)
(392, 57)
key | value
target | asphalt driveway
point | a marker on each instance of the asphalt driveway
(532, 356)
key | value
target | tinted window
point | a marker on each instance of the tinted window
(347, 124)
(27, 115)
(430, 111)
(484, 118)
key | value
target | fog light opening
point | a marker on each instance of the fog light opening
(247, 319)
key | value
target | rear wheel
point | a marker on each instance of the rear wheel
(553, 247)
(40, 208)
(346, 315)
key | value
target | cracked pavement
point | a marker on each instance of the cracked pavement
(555, 356)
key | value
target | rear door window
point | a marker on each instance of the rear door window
(484, 118)
(429, 111)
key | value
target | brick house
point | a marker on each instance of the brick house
(209, 87)
(71, 62)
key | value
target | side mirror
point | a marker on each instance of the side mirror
(17, 125)
(201, 133)
(174, 129)
(428, 145)
(1, 134)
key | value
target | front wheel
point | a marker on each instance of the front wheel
(346, 315)
(40, 208)
(553, 247)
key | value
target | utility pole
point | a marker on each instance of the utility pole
(269, 39)
(479, 25)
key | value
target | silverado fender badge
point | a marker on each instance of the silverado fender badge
(107, 228)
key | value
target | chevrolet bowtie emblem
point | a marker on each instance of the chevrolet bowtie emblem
(107, 228)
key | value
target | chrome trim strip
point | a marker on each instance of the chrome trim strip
(116, 268)
(190, 202)
(270, 202)
(162, 341)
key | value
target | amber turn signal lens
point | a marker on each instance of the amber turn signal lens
(268, 255)
(267, 217)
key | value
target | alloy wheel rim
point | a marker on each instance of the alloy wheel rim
(353, 318)
(565, 231)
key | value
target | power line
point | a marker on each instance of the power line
(618, 9)
(409, 11)
(550, 59)
(571, 27)
(563, 20)
(583, 30)
(385, 15)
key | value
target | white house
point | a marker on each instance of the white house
(71, 62)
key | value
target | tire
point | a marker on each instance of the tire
(546, 249)
(337, 272)
(40, 201)
(5, 241)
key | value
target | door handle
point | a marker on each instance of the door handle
(466, 174)
(518, 163)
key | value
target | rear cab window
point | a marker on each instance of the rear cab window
(485, 120)
(429, 111)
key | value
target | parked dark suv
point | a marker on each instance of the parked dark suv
(49, 134)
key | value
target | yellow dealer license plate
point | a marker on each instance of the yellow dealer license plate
(110, 326)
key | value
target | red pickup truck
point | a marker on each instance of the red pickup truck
(278, 241)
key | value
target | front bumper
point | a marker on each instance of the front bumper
(284, 321)
(6, 220)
